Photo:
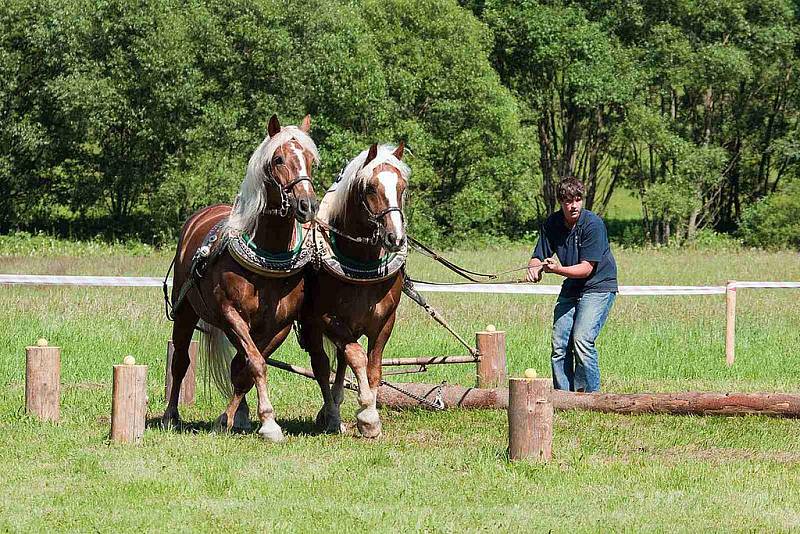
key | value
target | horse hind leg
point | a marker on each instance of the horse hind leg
(236, 416)
(328, 419)
(182, 330)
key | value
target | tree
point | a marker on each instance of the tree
(575, 81)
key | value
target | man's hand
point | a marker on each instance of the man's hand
(552, 265)
(534, 273)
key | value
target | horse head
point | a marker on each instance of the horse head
(384, 179)
(289, 155)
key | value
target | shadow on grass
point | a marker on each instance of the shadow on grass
(291, 427)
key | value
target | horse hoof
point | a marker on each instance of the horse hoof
(329, 425)
(369, 430)
(221, 424)
(170, 422)
(241, 421)
(270, 431)
(273, 436)
(321, 420)
(335, 426)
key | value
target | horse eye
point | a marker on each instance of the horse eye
(277, 161)
(370, 190)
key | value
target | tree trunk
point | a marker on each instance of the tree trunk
(691, 229)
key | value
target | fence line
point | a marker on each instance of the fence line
(729, 290)
(513, 288)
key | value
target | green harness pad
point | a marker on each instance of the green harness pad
(271, 264)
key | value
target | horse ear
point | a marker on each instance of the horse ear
(398, 152)
(306, 124)
(274, 126)
(373, 151)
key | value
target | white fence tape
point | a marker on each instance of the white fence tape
(532, 289)
(518, 289)
(766, 284)
(85, 281)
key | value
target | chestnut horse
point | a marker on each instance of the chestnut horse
(253, 309)
(357, 289)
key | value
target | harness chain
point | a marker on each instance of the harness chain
(437, 404)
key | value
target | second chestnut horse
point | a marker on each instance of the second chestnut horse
(358, 287)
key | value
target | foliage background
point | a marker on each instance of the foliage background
(119, 119)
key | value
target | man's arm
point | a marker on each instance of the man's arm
(581, 270)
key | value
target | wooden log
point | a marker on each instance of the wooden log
(427, 360)
(492, 363)
(189, 384)
(129, 403)
(43, 382)
(730, 322)
(530, 419)
(687, 403)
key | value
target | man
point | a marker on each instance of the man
(579, 239)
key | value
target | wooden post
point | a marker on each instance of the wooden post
(730, 322)
(189, 384)
(43, 382)
(492, 365)
(530, 419)
(129, 403)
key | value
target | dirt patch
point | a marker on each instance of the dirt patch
(713, 455)
(423, 437)
(720, 455)
(86, 386)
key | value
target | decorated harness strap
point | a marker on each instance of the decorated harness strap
(334, 262)
(271, 264)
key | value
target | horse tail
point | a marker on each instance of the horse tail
(216, 354)
(330, 351)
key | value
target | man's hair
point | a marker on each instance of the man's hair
(570, 188)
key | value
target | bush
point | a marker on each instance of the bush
(774, 221)
(707, 239)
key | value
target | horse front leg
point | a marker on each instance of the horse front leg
(257, 366)
(375, 365)
(367, 419)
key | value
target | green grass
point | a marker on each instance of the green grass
(429, 471)
(624, 205)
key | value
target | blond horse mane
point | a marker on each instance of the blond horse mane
(334, 203)
(252, 197)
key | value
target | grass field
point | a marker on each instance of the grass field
(429, 471)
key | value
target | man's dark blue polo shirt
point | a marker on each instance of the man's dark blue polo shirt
(586, 241)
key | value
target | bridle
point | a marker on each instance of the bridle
(286, 192)
(376, 219)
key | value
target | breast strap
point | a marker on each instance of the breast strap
(334, 262)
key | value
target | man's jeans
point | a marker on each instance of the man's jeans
(576, 324)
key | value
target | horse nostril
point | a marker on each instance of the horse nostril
(304, 206)
(391, 237)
